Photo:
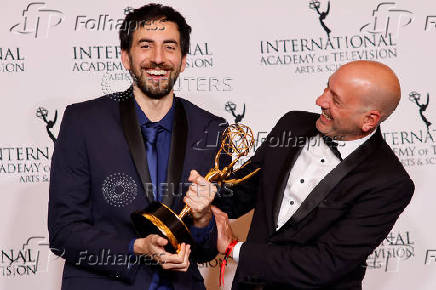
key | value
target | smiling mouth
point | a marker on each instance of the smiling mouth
(157, 74)
(326, 116)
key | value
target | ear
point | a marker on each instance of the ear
(371, 121)
(183, 66)
(125, 59)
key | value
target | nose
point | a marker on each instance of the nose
(158, 56)
(322, 100)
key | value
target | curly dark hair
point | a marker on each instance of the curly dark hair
(147, 13)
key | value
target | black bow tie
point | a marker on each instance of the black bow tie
(333, 145)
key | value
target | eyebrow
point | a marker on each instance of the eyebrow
(148, 40)
(171, 41)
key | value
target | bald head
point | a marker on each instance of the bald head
(359, 96)
(377, 86)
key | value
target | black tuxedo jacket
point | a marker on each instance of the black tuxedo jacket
(324, 245)
(98, 178)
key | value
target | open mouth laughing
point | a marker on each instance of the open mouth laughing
(157, 74)
(326, 116)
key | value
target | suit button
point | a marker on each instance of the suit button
(291, 202)
(117, 275)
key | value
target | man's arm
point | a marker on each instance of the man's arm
(203, 230)
(239, 199)
(69, 214)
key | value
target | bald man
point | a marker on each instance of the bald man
(327, 194)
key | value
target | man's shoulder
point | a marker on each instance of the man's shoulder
(301, 121)
(105, 100)
(300, 116)
(386, 155)
(384, 166)
(197, 114)
(94, 106)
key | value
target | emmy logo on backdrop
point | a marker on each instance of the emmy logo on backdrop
(415, 98)
(231, 108)
(159, 219)
(42, 113)
(322, 15)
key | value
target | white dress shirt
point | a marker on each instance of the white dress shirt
(315, 161)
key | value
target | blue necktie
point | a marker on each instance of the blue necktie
(150, 131)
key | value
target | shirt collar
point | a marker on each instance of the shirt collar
(166, 122)
(347, 147)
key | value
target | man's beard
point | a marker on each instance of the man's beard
(149, 87)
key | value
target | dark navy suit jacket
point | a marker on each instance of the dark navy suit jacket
(98, 178)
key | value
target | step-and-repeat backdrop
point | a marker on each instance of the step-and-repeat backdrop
(251, 60)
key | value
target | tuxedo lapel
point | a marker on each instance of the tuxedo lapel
(283, 179)
(325, 186)
(177, 153)
(291, 152)
(135, 141)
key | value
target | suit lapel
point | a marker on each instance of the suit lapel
(280, 189)
(177, 153)
(292, 154)
(135, 141)
(325, 186)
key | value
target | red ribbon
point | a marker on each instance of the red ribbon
(225, 260)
